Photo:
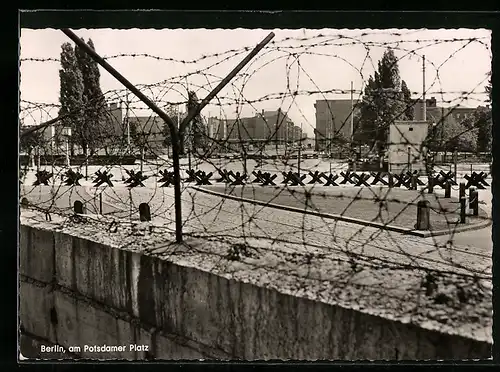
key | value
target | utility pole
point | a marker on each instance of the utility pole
(189, 139)
(352, 109)
(210, 125)
(330, 130)
(300, 147)
(352, 116)
(68, 136)
(441, 149)
(424, 105)
(127, 121)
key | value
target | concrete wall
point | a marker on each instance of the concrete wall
(75, 292)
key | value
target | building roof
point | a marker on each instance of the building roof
(337, 100)
(463, 108)
(272, 112)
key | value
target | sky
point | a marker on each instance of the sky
(294, 70)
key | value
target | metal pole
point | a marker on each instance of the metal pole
(189, 158)
(352, 111)
(245, 161)
(330, 130)
(128, 122)
(178, 120)
(424, 106)
(174, 132)
(455, 156)
(300, 148)
(190, 142)
(130, 202)
(158, 111)
(142, 156)
(38, 158)
(52, 155)
(409, 159)
(68, 162)
(87, 163)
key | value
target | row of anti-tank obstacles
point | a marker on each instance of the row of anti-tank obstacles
(410, 180)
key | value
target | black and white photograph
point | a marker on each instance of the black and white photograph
(255, 194)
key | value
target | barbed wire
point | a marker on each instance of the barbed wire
(361, 223)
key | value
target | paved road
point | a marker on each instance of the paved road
(212, 216)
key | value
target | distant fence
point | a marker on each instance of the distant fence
(24, 160)
(461, 157)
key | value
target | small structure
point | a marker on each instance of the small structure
(406, 150)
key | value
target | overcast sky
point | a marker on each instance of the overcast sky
(317, 64)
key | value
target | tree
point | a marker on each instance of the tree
(457, 136)
(365, 119)
(407, 100)
(488, 87)
(172, 113)
(31, 140)
(383, 102)
(137, 136)
(482, 120)
(71, 92)
(196, 129)
(95, 128)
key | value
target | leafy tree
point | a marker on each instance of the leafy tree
(172, 112)
(407, 100)
(383, 102)
(96, 125)
(137, 136)
(196, 130)
(366, 119)
(482, 120)
(484, 123)
(488, 88)
(71, 93)
(31, 140)
(457, 136)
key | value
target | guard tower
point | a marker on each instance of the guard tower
(406, 149)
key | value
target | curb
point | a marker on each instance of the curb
(457, 229)
(401, 230)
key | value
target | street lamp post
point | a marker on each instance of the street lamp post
(409, 158)
(31, 156)
(87, 152)
(52, 150)
(300, 148)
(143, 139)
(189, 148)
(128, 123)
(67, 134)
(38, 158)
